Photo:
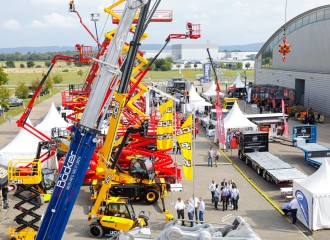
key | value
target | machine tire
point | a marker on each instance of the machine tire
(173, 234)
(151, 196)
(41, 200)
(241, 156)
(170, 180)
(247, 161)
(95, 230)
(259, 170)
(264, 173)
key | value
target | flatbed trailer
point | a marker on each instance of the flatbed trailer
(253, 149)
(305, 138)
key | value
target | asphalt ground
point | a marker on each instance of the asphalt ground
(265, 220)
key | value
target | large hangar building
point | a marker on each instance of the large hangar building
(307, 66)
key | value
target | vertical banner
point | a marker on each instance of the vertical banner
(286, 127)
(184, 137)
(207, 73)
(165, 126)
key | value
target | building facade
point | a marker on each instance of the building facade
(192, 52)
(307, 66)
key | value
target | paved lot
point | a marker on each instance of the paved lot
(261, 215)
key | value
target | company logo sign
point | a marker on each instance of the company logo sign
(303, 204)
(207, 73)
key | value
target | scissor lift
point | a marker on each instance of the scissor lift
(26, 174)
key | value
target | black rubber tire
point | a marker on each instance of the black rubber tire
(247, 162)
(95, 230)
(170, 180)
(150, 196)
(264, 173)
(259, 170)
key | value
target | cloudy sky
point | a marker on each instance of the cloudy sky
(224, 22)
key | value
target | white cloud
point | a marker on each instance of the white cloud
(54, 20)
(11, 24)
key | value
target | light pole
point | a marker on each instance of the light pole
(95, 17)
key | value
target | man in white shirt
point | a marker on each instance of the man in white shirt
(210, 155)
(195, 203)
(212, 189)
(293, 209)
(190, 209)
(179, 207)
(201, 210)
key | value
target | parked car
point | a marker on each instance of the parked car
(14, 102)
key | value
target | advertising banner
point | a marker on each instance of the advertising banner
(207, 73)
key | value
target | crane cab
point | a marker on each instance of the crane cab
(142, 168)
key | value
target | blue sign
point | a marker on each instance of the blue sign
(303, 204)
(207, 73)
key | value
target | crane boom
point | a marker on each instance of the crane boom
(84, 136)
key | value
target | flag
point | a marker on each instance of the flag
(286, 127)
(165, 126)
(220, 125)
(184, 137)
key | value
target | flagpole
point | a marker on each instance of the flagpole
(192, 156)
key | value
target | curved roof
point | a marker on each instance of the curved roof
(285, 26)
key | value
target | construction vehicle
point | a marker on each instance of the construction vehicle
(84, 135)
(34, 187)
(228, 103)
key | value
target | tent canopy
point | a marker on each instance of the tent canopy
(211, 92)
(236, 119)
(313, 196)
(197, 101)
(238, 82)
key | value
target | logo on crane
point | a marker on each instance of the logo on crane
(66, 170)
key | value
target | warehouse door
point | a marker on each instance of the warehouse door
(300, 91)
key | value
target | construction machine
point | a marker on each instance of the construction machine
(84, 134)
(34, 187)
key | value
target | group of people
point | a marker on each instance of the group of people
(194, 206)
(291, 207)
(227, 193)
(212, 157)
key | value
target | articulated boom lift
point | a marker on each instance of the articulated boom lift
(84, 135)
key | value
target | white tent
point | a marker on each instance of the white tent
(23, 146)
(238, 83)
(236, 119)
(197, 101)
(313, 195)
(211, 92)
(51, 120)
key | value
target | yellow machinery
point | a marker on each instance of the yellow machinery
(228, 103)
(34, 187)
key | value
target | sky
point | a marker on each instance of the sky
(35, 23)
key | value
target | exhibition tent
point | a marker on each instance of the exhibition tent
(51, 120)
(313, 196)
(238, 83)
(197, 101)
(211, 92)
(237, 120)
(23, 146)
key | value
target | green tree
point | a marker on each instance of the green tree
(57, 79)
(195, 66)
(49, 83)
(22, 91)
(68, 63)
(222, 65)
(187, 66)
(35, 84)
(247, 65)
(3, 77)
(229, 65)
(166, 66)
(47, 64)
(80, 73)
(22, 65)
(10, 64)
(239, 65)
(4, 94)
(30, 64)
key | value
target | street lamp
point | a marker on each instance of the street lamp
(95, 17)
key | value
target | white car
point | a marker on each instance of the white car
(210, 131)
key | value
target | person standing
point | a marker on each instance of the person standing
(235, 197)
(210, 157)
(179, 207)
(223, 183)
(216, 196)
(190, 210)
(178, 148)
(212, 189)
(224, 195)
(216, 157)
(201, 210)
(293, 209)
(195, 202)
(5, 191)
(229, 188)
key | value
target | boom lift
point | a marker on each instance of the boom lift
(84, 135)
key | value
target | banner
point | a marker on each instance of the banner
(286, 127)
(184, 137)
(220, 125)
(165, 126)
(207, 73)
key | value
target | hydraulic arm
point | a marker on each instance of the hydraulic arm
(84, 135)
